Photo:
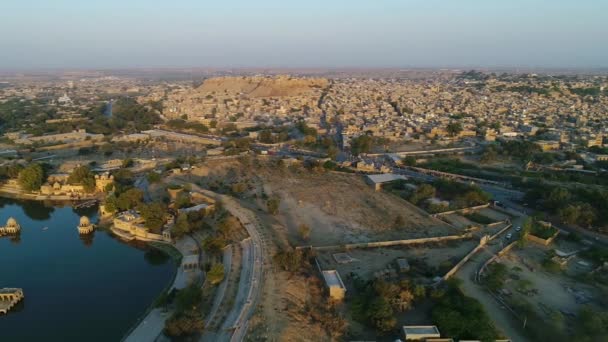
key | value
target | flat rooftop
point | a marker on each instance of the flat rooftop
(332, 278)
(385, 178)
(421, 329)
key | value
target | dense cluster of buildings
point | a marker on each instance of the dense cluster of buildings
(246, 102)
(496, 107)
(75, 136)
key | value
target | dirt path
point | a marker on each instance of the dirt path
(503, 319)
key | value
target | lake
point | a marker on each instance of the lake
(76, 288)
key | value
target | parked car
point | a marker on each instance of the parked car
(518, 228)
(509, 236)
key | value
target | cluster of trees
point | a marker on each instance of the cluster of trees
(592, 325)
(462, 317)
(187, 318)
(495, 276)
(291, 260)
(364, 143)
(236, 146)
(518, 149)
(422, 193)
(454, 128)
(361, 144)
(83, 175)
(10, 171)
(17, 112)
(187, 223)
(129, 115)
(266, 136)
(304, 129)
(126, 200)
(32, 177)
(228, 229)
(377, 301)
(180, 124)
(461, 195)
(581, 206)
(154, 215)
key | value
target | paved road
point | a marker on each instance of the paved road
(234, 327)
(221, 290)
(503, 319)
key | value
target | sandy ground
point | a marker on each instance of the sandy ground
(458, 221)
(553, 291)
(370, 260)
(342, 208)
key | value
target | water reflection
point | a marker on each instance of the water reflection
(87, 239)
(88, 212)
(71, 288)
(155, 257)
(36, 210)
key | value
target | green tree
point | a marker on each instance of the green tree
(409, 161)
(185, 324)
(496, 276)
(183, 200)
(422, 192)
(569, 214)
(31, 177)
(153, 215)
(110, 204)
(304, 231)
(181, 226)
(214, 245)
(153, 177)
(587, 215)
(289, 260)
(557, 197)
(361, 144)
(129, 199)
(82, 175)
(228, 227)
(454, 128)
(381, 315)
(215, 275)
(272, 205)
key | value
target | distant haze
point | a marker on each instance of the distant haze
(38, 34)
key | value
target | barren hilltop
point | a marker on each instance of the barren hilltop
(259, 86)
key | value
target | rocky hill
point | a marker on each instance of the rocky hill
(253, 87)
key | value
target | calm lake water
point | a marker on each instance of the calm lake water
(76, 289)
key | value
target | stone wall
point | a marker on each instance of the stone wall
(463, 210)
(544, 242)
(494, 257)
(466, 258)
(391, 243)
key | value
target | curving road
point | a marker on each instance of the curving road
(235, 325)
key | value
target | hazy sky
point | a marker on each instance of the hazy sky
(303, 33)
